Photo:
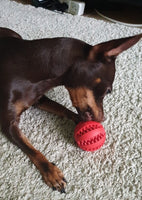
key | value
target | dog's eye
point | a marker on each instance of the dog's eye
(108, 91)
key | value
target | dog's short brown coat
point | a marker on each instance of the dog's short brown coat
(28, 69)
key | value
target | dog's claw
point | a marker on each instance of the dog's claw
(65, 180)
(53, 164)
(53, 188)
(63, 191)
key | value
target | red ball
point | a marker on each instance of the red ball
(90, 135)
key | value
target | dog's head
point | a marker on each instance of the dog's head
(91, 78)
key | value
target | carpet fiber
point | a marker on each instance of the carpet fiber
(111, 173)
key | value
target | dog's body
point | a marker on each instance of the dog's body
(28, 69)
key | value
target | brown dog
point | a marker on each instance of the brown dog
(28, 69)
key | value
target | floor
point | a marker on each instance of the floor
(129, 15)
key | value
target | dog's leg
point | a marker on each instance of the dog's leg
(54, 107)
(51, 174)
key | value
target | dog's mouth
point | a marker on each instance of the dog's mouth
(87, 115)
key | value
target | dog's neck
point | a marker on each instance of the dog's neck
(52, 58)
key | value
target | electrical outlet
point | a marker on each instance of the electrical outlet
(75, 7)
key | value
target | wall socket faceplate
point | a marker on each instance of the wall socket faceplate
(75, 7)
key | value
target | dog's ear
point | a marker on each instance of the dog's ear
(113, 48)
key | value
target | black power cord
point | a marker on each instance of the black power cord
(53, 5)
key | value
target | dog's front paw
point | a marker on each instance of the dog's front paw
(53, 177)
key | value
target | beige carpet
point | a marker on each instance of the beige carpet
(111, 173)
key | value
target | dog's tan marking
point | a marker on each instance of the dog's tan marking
(19, 107)
(98, 80)
(82, 98)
